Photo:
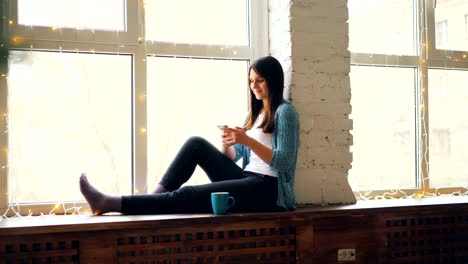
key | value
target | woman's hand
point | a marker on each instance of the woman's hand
(226, 139)
(227, 142)
(236, 135)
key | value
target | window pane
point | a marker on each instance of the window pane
(189, 97)
(448, 128)
(90, 14)
(441, 30)
(383, 27)
(383, 128)
(68, 113)
(451, 23)
(205, 22)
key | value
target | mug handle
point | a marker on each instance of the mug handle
(232, 200)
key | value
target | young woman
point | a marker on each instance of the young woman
(267, 143)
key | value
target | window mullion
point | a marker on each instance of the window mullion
(423, 99)
(3, 108)
(198, 50)
(423, 113)
(259, 27)
(384, 60)
(140, 122)
(139, 100)
(3, 130)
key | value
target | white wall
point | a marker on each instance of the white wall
(310, 38)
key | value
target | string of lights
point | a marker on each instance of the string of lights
(425, 189)
(66, 46)
(74, 207)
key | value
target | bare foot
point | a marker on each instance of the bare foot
(99, 202)
(159, 189)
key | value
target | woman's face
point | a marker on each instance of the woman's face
(258, 85)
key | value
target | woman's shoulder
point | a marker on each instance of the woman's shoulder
(286, 108)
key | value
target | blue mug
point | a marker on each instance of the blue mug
(221, 202)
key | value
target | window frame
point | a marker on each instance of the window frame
(127, 37)
(427, 57)
(132, 42)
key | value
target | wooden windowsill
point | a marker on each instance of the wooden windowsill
(390, 203)
(77, 223)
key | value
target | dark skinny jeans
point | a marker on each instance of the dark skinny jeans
(252, 192)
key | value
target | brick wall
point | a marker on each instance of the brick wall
(310, 38)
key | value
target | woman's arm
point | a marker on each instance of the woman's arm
(287, 140)
(286, 137)
(229, 152)
(237, 135)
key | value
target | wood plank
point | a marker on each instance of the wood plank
(221, 253)
(41, 254)
(304, 242)
(196, 243)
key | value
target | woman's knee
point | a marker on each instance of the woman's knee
(197, 142)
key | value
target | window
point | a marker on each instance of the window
(441, 33)
(380, 36)
(61, 121)
(387, 125)
(83, 14)
(448, 119)
(439, 80)
(407, 87)
(183, 80)
(227, 26)
(113, 88)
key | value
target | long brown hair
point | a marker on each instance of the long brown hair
(270, 69)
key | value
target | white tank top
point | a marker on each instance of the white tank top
(256, 164)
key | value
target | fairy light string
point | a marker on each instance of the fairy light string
(14, 209)
(423, 92)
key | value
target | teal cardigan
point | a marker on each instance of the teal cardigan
(284, 142)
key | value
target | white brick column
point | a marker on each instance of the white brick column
(310, 39)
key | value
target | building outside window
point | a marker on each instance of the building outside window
(441, 33)
(440, 142)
